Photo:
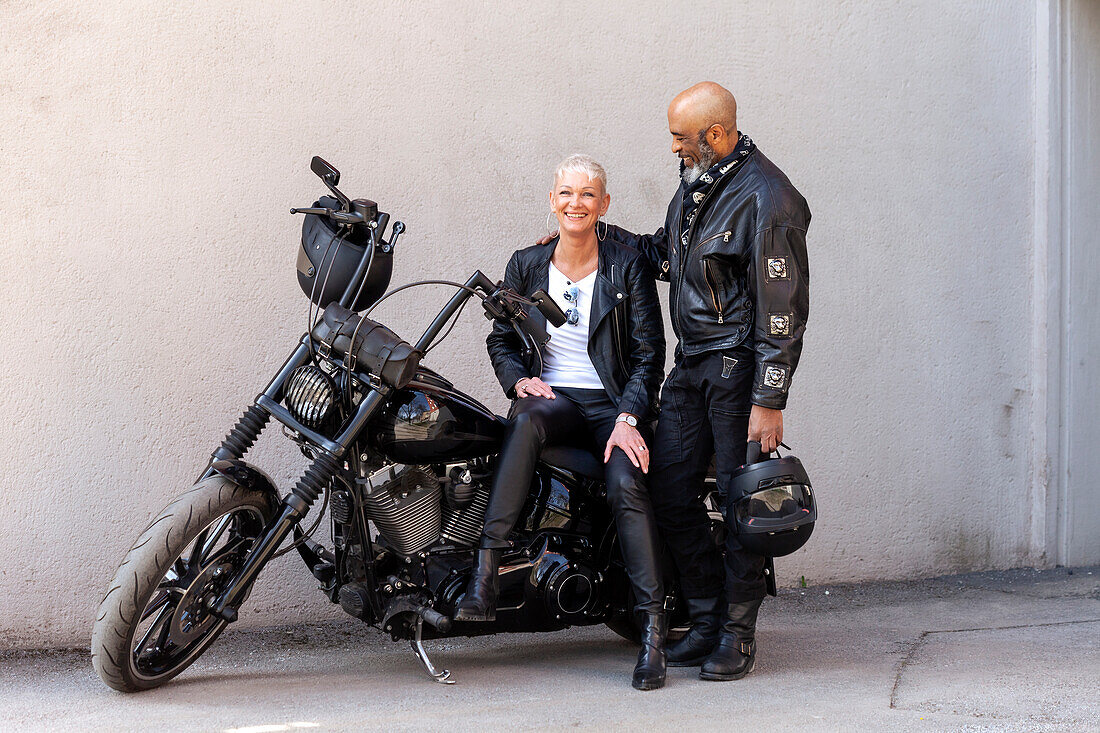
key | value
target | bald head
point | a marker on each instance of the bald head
(704, 105)
(703, 123)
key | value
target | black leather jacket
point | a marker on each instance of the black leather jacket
(626, 340)
(743, 275)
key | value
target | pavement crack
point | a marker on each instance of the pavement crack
(915, 645)
(909, 654)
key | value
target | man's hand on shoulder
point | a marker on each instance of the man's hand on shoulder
(766, 426)
(547, 239)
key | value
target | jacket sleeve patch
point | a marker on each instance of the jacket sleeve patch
(776, 269)
(779, 324)
(775, 376)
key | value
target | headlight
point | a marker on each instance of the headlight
(311, 396)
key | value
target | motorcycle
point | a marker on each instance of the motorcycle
(404, 462)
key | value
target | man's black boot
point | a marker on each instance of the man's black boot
(479, 603)
(649, 673)
(735, 654)
(706, 621)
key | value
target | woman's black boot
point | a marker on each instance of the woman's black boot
(479, 603)
(649, 674)
(735, 654)
(698, 643)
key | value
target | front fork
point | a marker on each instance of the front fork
(306, 491)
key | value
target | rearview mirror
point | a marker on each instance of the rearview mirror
(326, 172)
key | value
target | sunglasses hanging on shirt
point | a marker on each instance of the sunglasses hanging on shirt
(573, 315)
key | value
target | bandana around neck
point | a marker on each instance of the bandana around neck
(695, 193)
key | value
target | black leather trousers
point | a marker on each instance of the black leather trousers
(583, 418)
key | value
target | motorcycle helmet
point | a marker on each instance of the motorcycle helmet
(327, 262)
(773, 507)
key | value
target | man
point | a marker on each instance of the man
(733, 248)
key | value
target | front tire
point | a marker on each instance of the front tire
(153, 624)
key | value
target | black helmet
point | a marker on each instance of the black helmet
(327, 262)
(773, 505)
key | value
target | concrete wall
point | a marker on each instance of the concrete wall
(150, 154)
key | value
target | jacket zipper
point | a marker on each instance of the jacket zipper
(724, 235)
(615, 326)
(687, 248)
(714, 299)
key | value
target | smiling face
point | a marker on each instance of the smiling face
(578, 202)
(703, 124)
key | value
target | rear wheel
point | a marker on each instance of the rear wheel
(153, 622)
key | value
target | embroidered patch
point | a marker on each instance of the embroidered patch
(777, 268)
(698, 195)
(684, 238)
(775, 376)
(779, 324)
(728, 363)
(691, 215)
(705, 178)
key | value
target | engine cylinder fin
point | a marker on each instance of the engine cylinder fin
(463, 526)
(404, 503)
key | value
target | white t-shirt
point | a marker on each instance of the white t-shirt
(565, 357)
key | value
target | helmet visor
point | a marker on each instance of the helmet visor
(780, 505)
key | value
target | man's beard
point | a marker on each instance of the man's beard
(707, 158)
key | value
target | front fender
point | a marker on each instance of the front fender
(245, 474)
(317, 559)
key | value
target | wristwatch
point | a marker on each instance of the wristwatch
(628, 419)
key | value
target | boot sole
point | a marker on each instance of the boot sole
(718, 677)
(647, 686)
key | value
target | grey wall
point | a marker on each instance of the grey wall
(1079, 516)
(150, 153)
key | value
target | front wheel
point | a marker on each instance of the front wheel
(153, 622)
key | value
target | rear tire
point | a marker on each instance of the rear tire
(187, 553)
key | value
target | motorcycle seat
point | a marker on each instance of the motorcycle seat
(573, 459)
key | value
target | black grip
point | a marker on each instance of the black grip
(549, 308)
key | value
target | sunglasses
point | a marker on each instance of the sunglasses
(573, 315)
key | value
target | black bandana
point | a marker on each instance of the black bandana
(694, 193)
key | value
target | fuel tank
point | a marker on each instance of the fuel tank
(429, 421)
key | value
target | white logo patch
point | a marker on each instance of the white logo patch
(697, 196)
(705, 178)
(779, 324)
(777, 268)
(775, 376)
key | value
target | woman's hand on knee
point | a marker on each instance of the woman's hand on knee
(631, 442)
(534, 387)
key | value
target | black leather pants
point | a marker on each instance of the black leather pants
(584, 418)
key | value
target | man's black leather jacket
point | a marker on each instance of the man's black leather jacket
(626, 340)
(743, 274)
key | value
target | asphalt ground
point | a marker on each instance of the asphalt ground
(1001, 651)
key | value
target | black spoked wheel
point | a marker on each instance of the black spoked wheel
(154, 622)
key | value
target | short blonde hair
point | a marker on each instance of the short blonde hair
(580, 163)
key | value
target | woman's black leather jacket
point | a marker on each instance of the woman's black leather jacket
(626, 340)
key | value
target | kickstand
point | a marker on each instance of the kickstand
(443, 677)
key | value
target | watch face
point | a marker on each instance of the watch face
(630, 420)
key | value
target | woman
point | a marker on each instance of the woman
(595, 387)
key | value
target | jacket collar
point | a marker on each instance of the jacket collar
(606, 294)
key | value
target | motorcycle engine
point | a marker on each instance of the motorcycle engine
(404, 504)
